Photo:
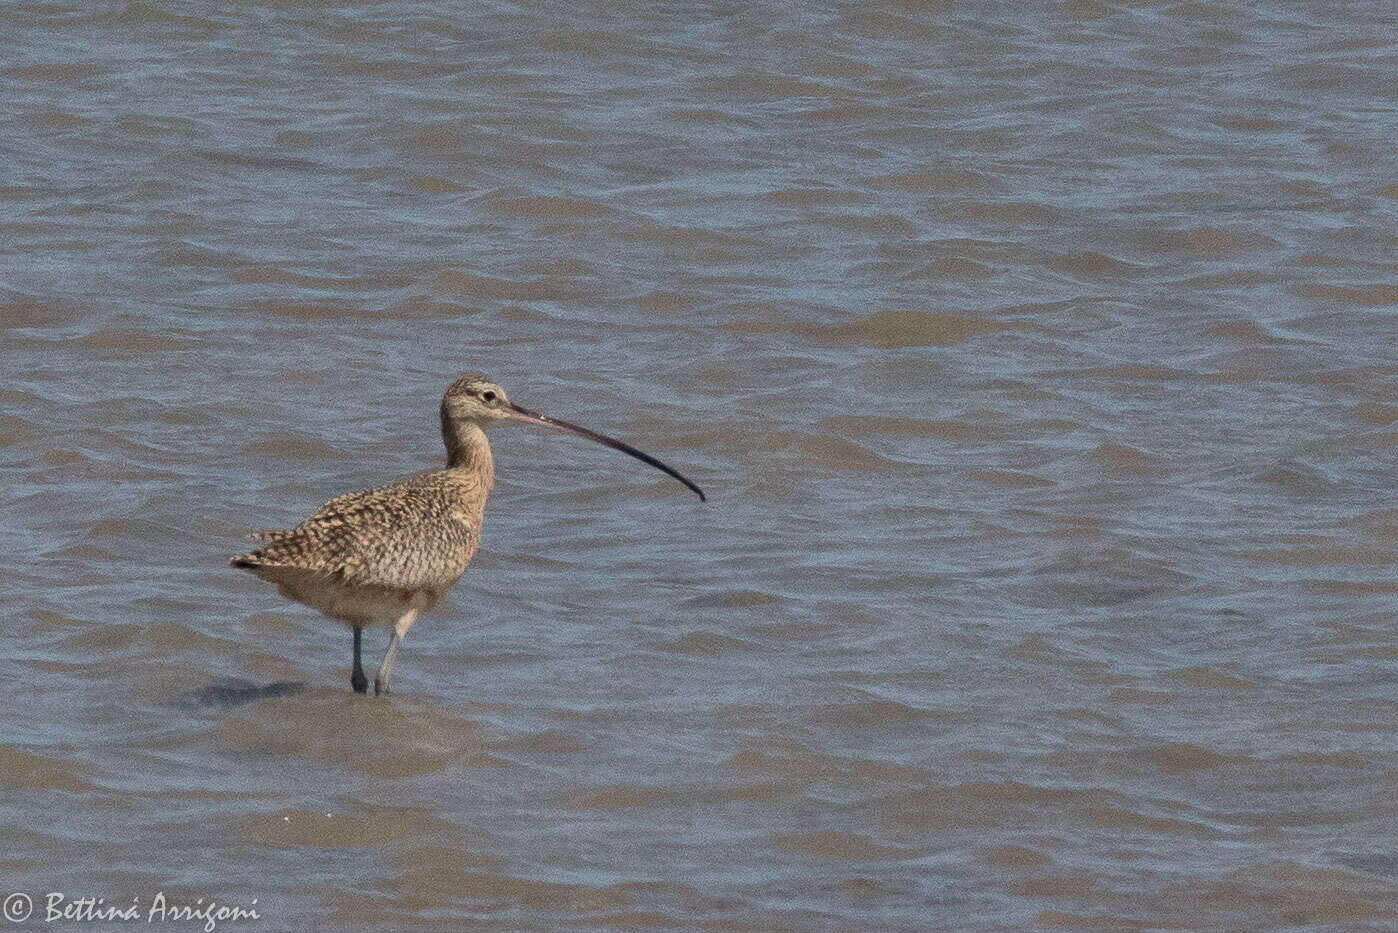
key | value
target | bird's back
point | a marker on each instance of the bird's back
(364, 556)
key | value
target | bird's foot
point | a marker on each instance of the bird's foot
(360, 683)
(380, 686)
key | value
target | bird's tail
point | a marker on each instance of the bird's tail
(254, 559)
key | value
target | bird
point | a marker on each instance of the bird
(388, 554)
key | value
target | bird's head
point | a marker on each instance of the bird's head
(473, 400)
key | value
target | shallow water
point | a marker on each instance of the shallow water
(1038, 364)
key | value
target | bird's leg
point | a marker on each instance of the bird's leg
(381, 678)
(400, 628)
(358, 681)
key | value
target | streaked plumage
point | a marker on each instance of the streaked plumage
(357, 559)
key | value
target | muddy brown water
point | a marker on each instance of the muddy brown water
(1038, 361)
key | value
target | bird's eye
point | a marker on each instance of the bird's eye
(488, 396)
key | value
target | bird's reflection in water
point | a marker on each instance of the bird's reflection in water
(226, 694)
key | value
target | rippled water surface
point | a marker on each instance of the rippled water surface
(1038, 361)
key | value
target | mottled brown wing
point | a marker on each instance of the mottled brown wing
(410, 535)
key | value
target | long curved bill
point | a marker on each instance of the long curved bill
(533, 417)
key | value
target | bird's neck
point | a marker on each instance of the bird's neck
(467, 449)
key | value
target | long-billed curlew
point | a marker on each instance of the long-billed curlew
(391, 553)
